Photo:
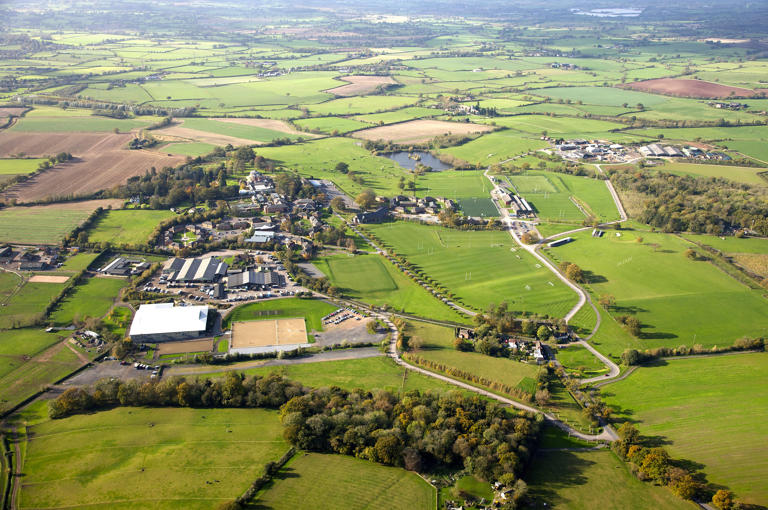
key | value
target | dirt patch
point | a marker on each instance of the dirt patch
(7, 112)
(184, 347)
(348, 332)
(42, 278)
(274, 124)
(268, 332)
(101, 161)
(416, 131)
(754, 262)
(690, 88)
(361, 85)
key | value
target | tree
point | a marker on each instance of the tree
(338, 205)
(342, 167)
(690, 253)
(543, 333)
(366, 199)
(655, 464)
(574, 272)
(723, 499)
(607, 301)
(529, 238)
(388, 450)
(463, 345)
(630, 357)
(542, 396)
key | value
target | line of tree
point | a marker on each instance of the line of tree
(632, 357)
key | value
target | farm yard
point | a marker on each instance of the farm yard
(479, 267)
(683, 402)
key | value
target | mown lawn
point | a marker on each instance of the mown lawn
(355, 484)
(89, 299)
(313, 310)
(585, 480)
(373, 279)
(126, 226)
(711, 411)
(479, 267)
(135, 458)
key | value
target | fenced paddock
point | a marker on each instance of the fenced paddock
(268, 335)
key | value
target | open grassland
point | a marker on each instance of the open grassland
(679, 301)
(479, 267)
(128, 226)
(45, 224)
(732, 244)
(18, 345)
(357, 484)
(360, 104)
(373, 373)
(578, 360)
(313, 310)
(742, 174)
(331, 125)
(64, 123)
(192, 149)
(401, 115)
(417, 131)
(78, 262)
(317, 159)
(494, 147)
(373, 279)
(92, 298)
(132, 458)
(28, 303)
(31, 376)
(711, 410)
(19, 166)
(582, 480)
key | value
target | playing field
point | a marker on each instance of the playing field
(480, 267)
(478, 207)
(313, 310)
(128, 226)
(711, 411)
(268, 332)
(357, 484)
(373, 279)
(132, 458)
(679, 301)
(581, 480)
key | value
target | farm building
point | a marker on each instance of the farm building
(253, 278)
(560, 242)
(378, 216)
(121, 266)
(261, 236)
(194, 270)
(164, 322)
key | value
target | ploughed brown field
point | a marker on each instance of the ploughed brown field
(690, 88)
(360, 85)
(7, 112)
(101, 161)
(416, 131)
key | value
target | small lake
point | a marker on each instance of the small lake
(409, 160)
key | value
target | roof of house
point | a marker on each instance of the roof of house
(163, 318)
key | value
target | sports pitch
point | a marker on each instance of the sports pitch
(268, 332)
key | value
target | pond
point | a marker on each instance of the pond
(409, 160)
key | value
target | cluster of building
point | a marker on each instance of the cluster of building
(213, 230)
(728, 106)
(690, 152)
(195, 270)
(564, 65)
(655, 149)
(518, 206)
(30, 259)
(259, 278)
(123, 266)
(579, 149)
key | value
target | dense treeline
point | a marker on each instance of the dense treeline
(416, 431)
(705, 205)
(634, 357)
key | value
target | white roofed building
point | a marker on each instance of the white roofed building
(164, 322)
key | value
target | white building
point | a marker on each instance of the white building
(164, 322)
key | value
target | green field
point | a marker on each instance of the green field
(453, 184)
(28, 303)
(373, 279)
(579, 361)
(19, 166)
(313, 310)
(494, 147)
(745, 175)
(359, 105)
(331, 125)
(64, 123)
(479, 267)
(131, 458)
(192, 149)
(711, 410)
(38, 225)
(126, 226)
(93, 298)
(17, 344)
(255, 133)
(478, 207)
(679, 301)
(357, 484)
(583, 480)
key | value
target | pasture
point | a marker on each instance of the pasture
(313, 310)
(192, 149)
(360, 104)
(579, 361)
(494, 148)
(479, 267)
(373, 279)
(17, 345)
(93, 298)
(19, 166)
(593, 479)
(136, 457)
(742, 174)
(127, 226)
(28, 303)
(711, 410)
(417, 131)
(331, 125)
(679, 301)
(357, 484)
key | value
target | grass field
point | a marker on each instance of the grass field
(373, 279)
(711, 410)
(313, 310)
(360, 104)
(678, 301)
(16, 344)
(38, 224)
(745, 175)
(583, 480)
(478, 207)
(494, 147)
(331, 125)
(480, 267)
(128, 226)
(579, 361)
(255, 133)
(19, 166)
(189, 149)
(64, 123)
(89, 299)
(28, 303)
(132, 458)
(453, 184)
(357, 484)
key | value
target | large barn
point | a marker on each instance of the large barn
(204, 270)
(164, 322)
